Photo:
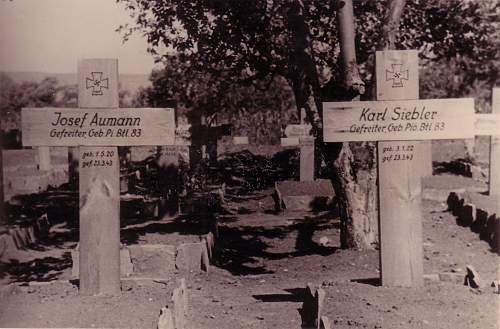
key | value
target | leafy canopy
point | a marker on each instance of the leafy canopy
(251, 40)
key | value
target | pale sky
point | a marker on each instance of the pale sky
(51, 35)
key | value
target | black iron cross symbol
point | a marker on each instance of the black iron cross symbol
(97, 83)
(396, 75)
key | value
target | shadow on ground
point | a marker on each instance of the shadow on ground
(182, 224)
(242, 249)
(40, 269)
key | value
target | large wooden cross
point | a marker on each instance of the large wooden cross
(400, 123)
(98, 126)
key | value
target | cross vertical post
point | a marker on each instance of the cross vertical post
(400, 173)
(99, 259)
(494, 177)
(44, 158)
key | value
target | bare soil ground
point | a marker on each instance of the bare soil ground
(265, 261)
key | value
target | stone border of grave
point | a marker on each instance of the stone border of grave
(311, 312)
(461, 167)
(162, 260)
(480, 213)
(174, 314)
(17, 237)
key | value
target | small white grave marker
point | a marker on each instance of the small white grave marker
(301, 135)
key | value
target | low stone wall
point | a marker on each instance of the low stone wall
(161, 260)
(480, 213)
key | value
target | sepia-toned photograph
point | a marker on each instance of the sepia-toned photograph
(250, 164)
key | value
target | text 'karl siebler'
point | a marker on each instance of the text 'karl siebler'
(396, 119)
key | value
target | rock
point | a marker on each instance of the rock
(320, 301)
(188, 257)
(126, 267)
(309, 308)
(496, 284)
(324, 241)
(472, 278)
(205, 262)
(454, 201)
(209, 239)
(184, 295)
(7, 246)
(312, 306)
(467, 214)
(180, 308)
(325, 323)
(307, 195)
(479, 223)
(166, 321)
(153, 260)
(451, 277)
(433, 277)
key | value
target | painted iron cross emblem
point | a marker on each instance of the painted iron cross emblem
(397, 75)
(97, 83)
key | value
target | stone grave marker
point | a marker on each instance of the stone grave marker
(400, 169)
(97, 127)
(309, 195)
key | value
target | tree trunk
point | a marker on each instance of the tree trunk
(356, 172)
(356, 193)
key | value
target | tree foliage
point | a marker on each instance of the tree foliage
(262, 105)
(252, 40)
(14, 96)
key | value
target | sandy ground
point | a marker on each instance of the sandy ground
(265, 262)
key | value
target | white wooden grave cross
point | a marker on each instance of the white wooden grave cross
(98, 126)
(489, 125)
(300, 135)
(404, 119)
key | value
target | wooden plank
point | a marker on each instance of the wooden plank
(44, 158)
(494, 185)
(298, 130)
(398, 120)
(397, 74)
(401, 166)
(99, 168)
(99, 188)
(401, 253)
(289, 141)
(75, 127)
(487, 124)
(306, 158)
(2, 194)
(98, 83)
(397, 78)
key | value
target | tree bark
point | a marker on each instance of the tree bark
(356, 175)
